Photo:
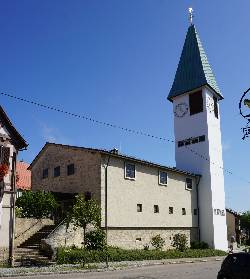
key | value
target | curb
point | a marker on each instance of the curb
(114, 266)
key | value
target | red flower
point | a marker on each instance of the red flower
(4, 169)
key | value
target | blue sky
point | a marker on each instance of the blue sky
(115, 60)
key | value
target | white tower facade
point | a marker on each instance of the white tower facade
(198, 147)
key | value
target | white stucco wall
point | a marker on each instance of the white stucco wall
(125, 194)
(204, 158)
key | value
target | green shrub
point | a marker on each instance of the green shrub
(95, 240)
(199, 245)
(157, 242)
(18, 212)
(36, 204)
(180, 242)
(71, 256)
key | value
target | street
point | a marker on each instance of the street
(202, 270)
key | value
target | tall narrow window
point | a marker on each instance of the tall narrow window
(183, 211)
(163, 178)
(129, 170)
(70, 169)
(57, 171)
(156, 208)
(195, 102)
(216, 108)
(45, 173)
(189, 183)
(139, 207)
(170, 210)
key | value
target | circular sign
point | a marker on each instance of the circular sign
(244, 104)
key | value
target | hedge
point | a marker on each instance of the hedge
(75, 255)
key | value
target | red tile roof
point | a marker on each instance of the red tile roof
(24, 176)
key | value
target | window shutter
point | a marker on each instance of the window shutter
(5, 155)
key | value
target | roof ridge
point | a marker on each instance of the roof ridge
(103, 151)
(208, 71)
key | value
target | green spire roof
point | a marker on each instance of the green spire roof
(193, 70)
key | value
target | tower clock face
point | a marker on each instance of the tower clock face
(181, 109)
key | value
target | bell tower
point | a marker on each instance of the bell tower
(198, 149)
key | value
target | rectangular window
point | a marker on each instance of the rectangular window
(195, 140)
(202, 138)
(138, 239)
(57, 171)
(180, 143)
(5, 156)
(187, 142)
(183, 211)
(70, 169)
(163, 178)
(45, 173)
(195, 102)
(216, 107)
(87, 196)
(156, 208)
(129, 171)
(170, 210)
(189, 183)
(139, 207)
(195, 211)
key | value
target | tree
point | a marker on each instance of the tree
(85, 213)
(245, 220)
(36, 204)
(245, 224)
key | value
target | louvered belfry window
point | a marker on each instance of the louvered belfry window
(195, 102)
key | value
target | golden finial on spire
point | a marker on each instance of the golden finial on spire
(190, 11)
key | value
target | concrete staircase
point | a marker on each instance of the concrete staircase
(28, 253)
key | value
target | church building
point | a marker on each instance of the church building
(141, 199)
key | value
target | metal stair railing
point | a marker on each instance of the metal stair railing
(58, 225)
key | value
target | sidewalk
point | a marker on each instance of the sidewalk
(98, 267)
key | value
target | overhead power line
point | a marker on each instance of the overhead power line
(132, 131)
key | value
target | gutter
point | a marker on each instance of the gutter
(198, 208)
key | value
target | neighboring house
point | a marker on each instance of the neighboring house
(233, 225)
(23, 181)
(10, 143)
(143, 199)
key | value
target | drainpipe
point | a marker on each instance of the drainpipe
(13, 203)
(113, 151)
(106, 208)
(198, 208)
